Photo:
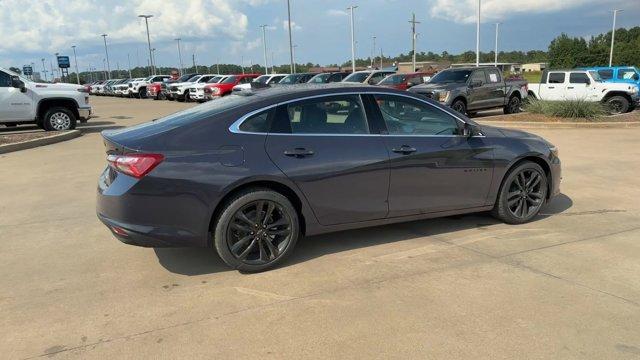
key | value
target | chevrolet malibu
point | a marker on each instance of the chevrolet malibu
(249, 174)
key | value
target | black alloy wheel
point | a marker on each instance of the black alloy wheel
(459, 106)
(256, 230)
(513, 106)
(522, 194)
(617, 105)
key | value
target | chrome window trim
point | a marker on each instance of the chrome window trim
(235, 127)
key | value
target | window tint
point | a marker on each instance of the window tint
(328, 115)
(404, 116)
(494, 76)
(578, 78)
(5, 79)
(478, 76)
(626, 74)
(606, 74)
(556, 78)
(256, 123)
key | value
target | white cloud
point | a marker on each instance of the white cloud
(464, 11)
(49, 25)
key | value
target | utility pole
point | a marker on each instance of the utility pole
(290, 39)
(495, 61)
(264, 48)
(179, 54)
(195, 66)
(273, 64)
(294, 58)
(76, 60)
(44, 69)
(58, 67)
(104, 37)
(52, 71)
(413, 39)
(218, 66)
(373, 51)
(353, 40)
(151, 64)
(152, 60)
(613, 34)
(380, 58)
(242, 63)
(478, 36)
(129, 63)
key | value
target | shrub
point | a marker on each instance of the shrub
(567, 109)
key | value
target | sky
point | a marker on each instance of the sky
(228, 31)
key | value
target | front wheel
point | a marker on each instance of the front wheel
(522, 194)
(256, 230)
(617, 105)
(59, 119)
(459, 106)
(513, 106)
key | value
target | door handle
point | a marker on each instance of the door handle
(299, 152)
(552, 87)
(404, 150)
(569, 87)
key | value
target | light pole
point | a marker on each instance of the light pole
(373, 51)
(478, 36)
(104, 37)
(179, 54)
(353, 40)
(294, 58)
(129, 64)
(264, 47)
(613, 35)
(151, 64)
(152, 60)
(413, 39)
(44, 69)
(292, 67)
(58, 67)
(76, 60)
(495, 60)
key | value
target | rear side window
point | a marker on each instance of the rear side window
(579, 78)
(478, 76)
(626, 74)
(606, 74)
(556, 78)
(5, 79)
(342, 114)
(258, 123)
(494, 76)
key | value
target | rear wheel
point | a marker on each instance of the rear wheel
(142, 93)
(617, 104)
(513, 106)
(256, 230)
(59, 119)
(459, 106)
(522, 194)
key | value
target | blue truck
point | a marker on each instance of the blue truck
(618, 74)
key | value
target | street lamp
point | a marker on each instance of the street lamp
(478, 36)
(290, 40)
(613, 34)
(44, 69)
(76, 60)
(104, 37)
(179, 54)
(495, 61)
(146, 21)
(353, 40)
(264, 47)
(373, 51)
(294, 58)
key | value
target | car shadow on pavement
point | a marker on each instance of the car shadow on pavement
(200, 261)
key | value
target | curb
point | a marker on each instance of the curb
(29, 144)
(561, 125)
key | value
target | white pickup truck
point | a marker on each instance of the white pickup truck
(53, 107)
(560, 85)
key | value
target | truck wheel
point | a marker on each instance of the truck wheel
(459, 106)
(617, 104)
(59, 119)
(142, 93)
(513, 106)
(186, 96)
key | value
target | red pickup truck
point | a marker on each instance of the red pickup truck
(212, 91)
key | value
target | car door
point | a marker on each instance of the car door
(495, 88)
(578, 86)
(14, 104)
(554, 88)
(326, 147)
(432, 167)
(478, 91)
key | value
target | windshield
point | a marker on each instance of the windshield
(357, 77)
(319, 79)
(290, 79)
(184, 78)
(394, 80)
(262, 79)
(230, 80)
(451, 76)
(214, 80)
(595, 76)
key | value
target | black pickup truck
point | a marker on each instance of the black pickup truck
(471, 89)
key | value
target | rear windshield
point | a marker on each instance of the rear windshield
(357, 77)
(320, 78)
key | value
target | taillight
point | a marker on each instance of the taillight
(136, 165)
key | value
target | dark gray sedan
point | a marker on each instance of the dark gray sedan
(250, 174)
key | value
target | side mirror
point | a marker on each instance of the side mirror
(18, 84)
(467, 131)
(636, 77)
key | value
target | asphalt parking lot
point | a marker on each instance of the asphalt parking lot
(565, 286)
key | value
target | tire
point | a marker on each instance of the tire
(142, 93)
(617, 104)
(186, 97)
(11, 124)
(513, 206)
(59, 119)
(513, 106)
(459, 106)
(239, 242)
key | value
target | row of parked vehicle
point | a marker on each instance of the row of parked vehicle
(466, 90)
